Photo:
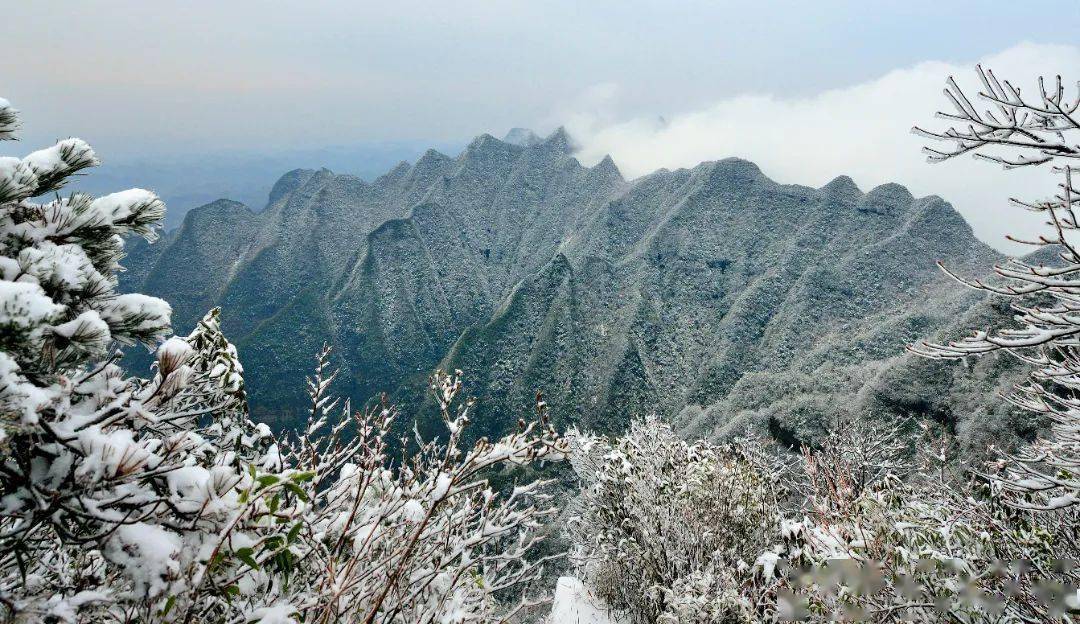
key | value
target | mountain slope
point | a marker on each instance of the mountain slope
(390, 272)
(712, 296)
(694, 281)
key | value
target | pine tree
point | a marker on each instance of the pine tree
(104, 476)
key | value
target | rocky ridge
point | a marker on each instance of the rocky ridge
(713, 296)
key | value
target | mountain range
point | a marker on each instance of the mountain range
(712, 296)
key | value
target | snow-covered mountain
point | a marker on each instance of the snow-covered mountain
(711, 295)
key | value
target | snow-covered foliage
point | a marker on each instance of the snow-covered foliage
(668, 527)
(427, 541)
(1017, 130)
(689, 533)
(126, 499)
(920, 548)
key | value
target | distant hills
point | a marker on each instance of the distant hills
(190, 181)
(713, 296)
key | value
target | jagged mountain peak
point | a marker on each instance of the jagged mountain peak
(607, 167)
(398, 173)
(889, 198)
(485, 151)
(521, 136)
(484, 141)
(1045, 255)
(216, 209)
(431, 162)
(523, 268)
(560, 140)
(891, 191)
(288, 183)
(730, 173)
(842, 186)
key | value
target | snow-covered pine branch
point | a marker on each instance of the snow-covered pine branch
(112, 485)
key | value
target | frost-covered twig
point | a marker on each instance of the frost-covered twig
(1042, 130)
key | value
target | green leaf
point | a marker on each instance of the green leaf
(267, 480)
(296, 489)
(300, 477)
(274, 503)
(293, 532)
(168, 606)
(244, 554)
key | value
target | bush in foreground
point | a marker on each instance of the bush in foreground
(693, 533)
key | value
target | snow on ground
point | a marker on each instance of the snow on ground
(574, 604)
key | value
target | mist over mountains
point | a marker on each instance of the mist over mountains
(713, 296)
(187, 181)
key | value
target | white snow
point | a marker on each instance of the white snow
(413, 511)
(149, 554)
(191, 486)
(575, 604)
(117, 206)
(66, 266)
(88, 329)
(18, 395)
(442, 487)
(277, 614)
(25, 304)
(17, 179)
(57, 159)
(766, 562)
(125, 307)
(172, 353)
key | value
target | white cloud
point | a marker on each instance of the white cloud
(862, 131)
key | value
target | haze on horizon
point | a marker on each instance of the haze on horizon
(807, 92)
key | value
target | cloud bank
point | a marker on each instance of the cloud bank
(862, 131)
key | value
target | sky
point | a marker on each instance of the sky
(808, 90)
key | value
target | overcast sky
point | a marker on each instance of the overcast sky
(809, 90)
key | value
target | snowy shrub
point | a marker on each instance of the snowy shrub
(427, 541)
(126, 499)
(917, 549)
(668, 527)
(913, 554)
(707, 597)
(854, 454)
(859, 528)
